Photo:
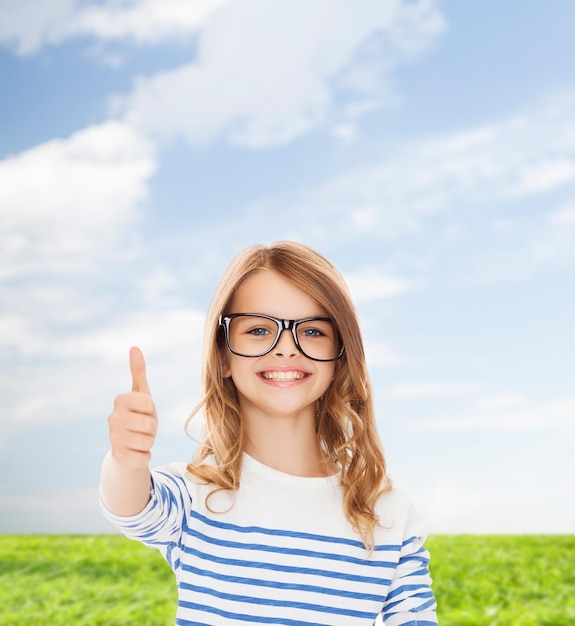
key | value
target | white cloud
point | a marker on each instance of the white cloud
(543, 175)
(268, 72)
(500, 402)
(28, 25)
(485, 169)
(344, 132)
(555, 415)
(431, 389)
(530, 242)
(449, 506)
(67, 510)
(159, 332)
(380, 354)
(146, 21)
(264, 73)
(519, 502)
(75, 375)
(371, 284)
(563, 218)
(64, 200)
(158, 286)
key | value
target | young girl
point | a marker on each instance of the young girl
(286, 514)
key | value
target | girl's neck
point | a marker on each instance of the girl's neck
(287, 445)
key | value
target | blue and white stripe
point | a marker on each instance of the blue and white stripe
(284, 553)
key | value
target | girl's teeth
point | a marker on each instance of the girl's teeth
(283, 375)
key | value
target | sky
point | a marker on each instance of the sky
(426, 147)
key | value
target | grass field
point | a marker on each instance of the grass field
(108, 580)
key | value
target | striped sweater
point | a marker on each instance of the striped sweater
(280, 551)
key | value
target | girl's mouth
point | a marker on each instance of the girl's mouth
(283, 376)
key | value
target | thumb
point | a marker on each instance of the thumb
(138, 370)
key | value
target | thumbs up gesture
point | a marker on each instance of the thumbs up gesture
(133, 422)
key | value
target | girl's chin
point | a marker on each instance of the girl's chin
(281, 409)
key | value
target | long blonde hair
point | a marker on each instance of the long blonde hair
(345, 422)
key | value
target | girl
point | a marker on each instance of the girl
(286, 514)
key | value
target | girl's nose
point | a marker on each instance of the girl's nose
(286, 344)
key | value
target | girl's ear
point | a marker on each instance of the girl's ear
(225, 363)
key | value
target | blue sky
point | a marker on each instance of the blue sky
(427, 148)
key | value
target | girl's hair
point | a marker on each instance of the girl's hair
(345, 422)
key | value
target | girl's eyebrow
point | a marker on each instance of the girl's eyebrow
(277, 317)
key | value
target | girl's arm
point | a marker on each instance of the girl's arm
(125, 481)
(410, 600)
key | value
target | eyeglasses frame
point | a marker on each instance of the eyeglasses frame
(225, 320)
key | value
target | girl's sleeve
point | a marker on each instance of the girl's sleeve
(159, 524)
(410, 601)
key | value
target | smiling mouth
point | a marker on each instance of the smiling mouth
(283, 376)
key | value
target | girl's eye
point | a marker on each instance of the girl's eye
(259, 332)
(312, 332)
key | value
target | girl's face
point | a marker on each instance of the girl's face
(284, 381)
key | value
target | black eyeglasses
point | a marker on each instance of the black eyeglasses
(255, 334)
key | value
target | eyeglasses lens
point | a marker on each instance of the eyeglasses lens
(251, 335)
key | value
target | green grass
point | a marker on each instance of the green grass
(504, 580)
(108, 580)
(92, 580)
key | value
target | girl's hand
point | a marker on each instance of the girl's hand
(133, 422)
